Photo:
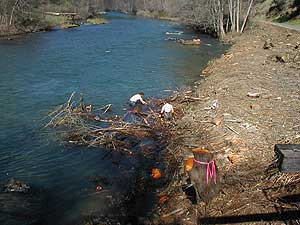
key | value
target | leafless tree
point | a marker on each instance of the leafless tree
(218, 16)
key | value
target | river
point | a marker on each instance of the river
(107, 63)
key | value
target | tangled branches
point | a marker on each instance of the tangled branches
(84, 126)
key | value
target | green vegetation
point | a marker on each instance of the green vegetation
(96, 21)
(54, 20)
(294, 22)
(62, 21)
(280, 10)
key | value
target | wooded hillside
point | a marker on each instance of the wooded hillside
(213, 16)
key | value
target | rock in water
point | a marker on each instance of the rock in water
(19, 204)
(16, 186)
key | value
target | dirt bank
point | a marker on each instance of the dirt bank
(9, 32)
(253, 92)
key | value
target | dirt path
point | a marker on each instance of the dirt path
(254, 91)
(284, 25)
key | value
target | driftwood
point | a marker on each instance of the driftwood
(189, 42)
(86, 125)
(203, 174)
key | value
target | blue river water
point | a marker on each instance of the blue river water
(108, 64)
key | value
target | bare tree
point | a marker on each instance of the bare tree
(247, 15)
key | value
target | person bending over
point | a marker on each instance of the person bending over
(166, 111)
(137, 101)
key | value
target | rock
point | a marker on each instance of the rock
(253, 94)
(217, 121)
(297, 58)
(207, 71)
(215, 104)
(282, 58)
(268, 44)
(255, 107)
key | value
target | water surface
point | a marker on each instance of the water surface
(106, 63)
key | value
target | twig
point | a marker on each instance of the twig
(70, 99)
(106, 108)
(231, 129)
(173, 212)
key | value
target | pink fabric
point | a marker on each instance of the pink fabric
(210, 170)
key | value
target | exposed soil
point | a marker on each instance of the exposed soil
(247, 102)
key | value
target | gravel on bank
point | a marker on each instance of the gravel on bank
(247, 102)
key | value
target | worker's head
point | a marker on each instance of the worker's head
(142, 93)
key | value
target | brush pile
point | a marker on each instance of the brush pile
(84, 125)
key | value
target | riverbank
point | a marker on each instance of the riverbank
(10, 32)
(158, 15)
(48, 23)
(247, 101)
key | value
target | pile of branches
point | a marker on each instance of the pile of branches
(84, 125)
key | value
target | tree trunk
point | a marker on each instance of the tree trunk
(227, 26)
(230, 5)
(214, 13)
(234, 16)
(12, 12)
(246, 17)
(205, 185)
(238, 16)
(221, 17)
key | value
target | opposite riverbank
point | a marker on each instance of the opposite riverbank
(247, 102)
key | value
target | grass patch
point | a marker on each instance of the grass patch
(96, 21)
(54, 20)
(61, 21)
(294, 22)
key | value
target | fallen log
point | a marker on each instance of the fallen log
(189, 42)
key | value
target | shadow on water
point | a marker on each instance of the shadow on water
(22, 204)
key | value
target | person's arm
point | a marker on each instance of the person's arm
(162, 110)
(142, 101)
(172, 109)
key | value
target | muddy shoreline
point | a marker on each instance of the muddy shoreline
(252, 90)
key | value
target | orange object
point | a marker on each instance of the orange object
(163, 199)
(156, 174)
(189, 164)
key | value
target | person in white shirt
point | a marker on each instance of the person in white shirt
(167, 110)
(136, 102)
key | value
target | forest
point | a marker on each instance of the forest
(212, 16)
